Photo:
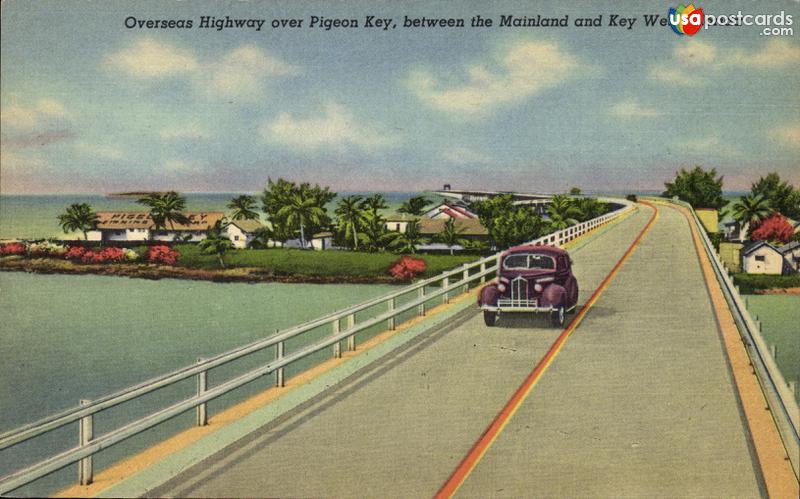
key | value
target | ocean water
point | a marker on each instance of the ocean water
(35, 216)
(65, 338)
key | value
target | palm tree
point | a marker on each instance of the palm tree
(301, 212)
(407, 242)
(451, 235)
(78, 216)
(750, 210)
(351, 217)
(374, 203)
(375, 234)
(414, 206)
(166, 209)
(243, 208)
(558, 222)
(563, 212)
(216, 242)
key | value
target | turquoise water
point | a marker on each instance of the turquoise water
(780, 320)
(33, 216)
(65, 338)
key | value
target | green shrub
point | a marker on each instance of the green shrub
(750, 283)
(283, 261)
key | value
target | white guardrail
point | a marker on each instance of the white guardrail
(90, 444)
(779, 396)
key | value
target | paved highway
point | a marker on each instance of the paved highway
(638, 401)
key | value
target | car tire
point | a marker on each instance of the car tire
(558, 316)
(489, 318)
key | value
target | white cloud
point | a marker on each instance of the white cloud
(777, 53)
(336, 126)
(192, 131)
(693, 63)
(100, 151)
(242, 72)
(788, 135)
(30, 118)
(522, 71)
(463, 155)
(51, 107)
(239, 74)
(148, 58)
(631, 109)
(688, 65)
(710, 144)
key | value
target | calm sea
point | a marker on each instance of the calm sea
(35, 216)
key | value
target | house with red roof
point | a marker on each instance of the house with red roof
(448, 210)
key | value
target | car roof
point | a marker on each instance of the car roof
(534, 248)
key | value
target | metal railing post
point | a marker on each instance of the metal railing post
(483, 269)
(280, 381)
(85, 435)
(390, 304)
(337, 347)
(421, 307)
(445, 284)
(202, 386)
(351, 340)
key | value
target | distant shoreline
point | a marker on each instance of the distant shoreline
(156, 272)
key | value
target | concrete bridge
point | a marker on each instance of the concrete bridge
(539, 202)
(648, 392)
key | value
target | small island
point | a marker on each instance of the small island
(296, 232)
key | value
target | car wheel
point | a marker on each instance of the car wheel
(557, 316)
(489, 318)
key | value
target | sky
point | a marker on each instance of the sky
(92, 106)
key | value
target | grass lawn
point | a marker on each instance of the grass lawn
(315, 263)
(779, 316)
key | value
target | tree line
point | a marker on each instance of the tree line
(300, 210)
(770, 201)
(509, 224)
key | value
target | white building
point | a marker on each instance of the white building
(242, 232)
(125, 226)
(762, 258)
(398, 223)
(791, 255)
(319, 241)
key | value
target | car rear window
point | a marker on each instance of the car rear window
(521, 261)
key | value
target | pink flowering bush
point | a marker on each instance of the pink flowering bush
(406, 268)
(13, 249)
(106, 255)
(75, 253)
(163, 255)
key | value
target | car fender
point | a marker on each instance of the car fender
(553, 295)
(489, 295)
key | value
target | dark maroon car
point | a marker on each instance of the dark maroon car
(531, 279)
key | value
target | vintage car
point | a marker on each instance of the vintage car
(531, 279)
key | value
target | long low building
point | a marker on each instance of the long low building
(122, 226)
